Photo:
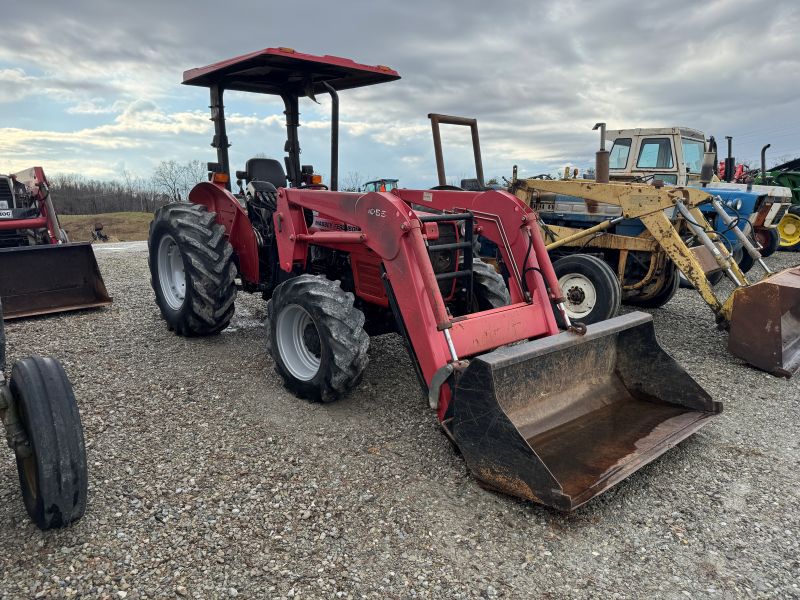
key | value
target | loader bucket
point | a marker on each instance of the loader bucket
(561, 419)
(765, 323)
(38, 280)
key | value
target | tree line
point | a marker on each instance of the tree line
(170, 182)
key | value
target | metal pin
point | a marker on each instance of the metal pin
(450, 345)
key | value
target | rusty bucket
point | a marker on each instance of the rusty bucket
(561, 419)
(38, 280)
(765, 323)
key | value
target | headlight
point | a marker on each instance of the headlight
(735, 204)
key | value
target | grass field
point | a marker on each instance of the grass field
(118, 226)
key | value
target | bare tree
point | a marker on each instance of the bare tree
(171, 178)
(195, 171)
(351, 182)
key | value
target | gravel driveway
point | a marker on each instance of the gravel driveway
(208, 479)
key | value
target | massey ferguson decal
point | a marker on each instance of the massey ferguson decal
(333, 225)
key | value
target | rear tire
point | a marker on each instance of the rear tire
(591, 289)
(488, 286)
(54, 477)
(317, 338)
(671, 285)
(192, 270)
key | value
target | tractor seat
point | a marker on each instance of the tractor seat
(265, 170)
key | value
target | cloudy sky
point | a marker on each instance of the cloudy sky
(93, 86)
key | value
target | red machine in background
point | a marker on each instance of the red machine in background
(41, 272)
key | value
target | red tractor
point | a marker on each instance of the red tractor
(41, 271)
(552, 417)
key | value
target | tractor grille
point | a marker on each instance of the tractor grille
(779, 215)
(13, 238)
(6, 194)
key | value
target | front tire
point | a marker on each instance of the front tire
(591, 289)
(317, 338)
(192, 270)
(53, 475)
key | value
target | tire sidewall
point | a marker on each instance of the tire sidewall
(160, 229)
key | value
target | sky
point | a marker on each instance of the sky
(93, 86)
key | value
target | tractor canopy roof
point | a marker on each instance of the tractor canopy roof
(283, 70)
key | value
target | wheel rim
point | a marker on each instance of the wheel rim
(789, 229)
(298, 342)
(171, 272)
(580, 295)
(762, 237)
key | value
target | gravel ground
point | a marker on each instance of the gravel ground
(208, 479)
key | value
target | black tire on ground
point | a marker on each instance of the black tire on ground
(316, 338)
(590, 286)
(188, 233)
(488, 286)
(54, 477)
(671, 284)
(2, 344)
(770, 240)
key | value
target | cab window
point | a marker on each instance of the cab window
(668, 178)
(619, 153)
(655, 153)
(693, 154)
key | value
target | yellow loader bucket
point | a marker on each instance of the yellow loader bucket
(561, 419)
(38, 280)
(765, 323)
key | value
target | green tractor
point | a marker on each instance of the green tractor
(786, 175)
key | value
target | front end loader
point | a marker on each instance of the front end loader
(41, 271)
(554, 417)
(763, 318)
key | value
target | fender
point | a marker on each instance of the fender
(234, 219)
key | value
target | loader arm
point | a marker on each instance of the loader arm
(763, 318)
(647, 203)
(634, 200)
(389, 226)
